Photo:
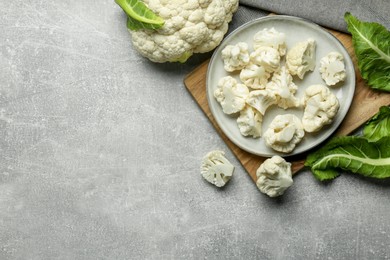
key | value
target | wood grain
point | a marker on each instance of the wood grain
(365, 104)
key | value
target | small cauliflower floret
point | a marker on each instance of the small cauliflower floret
(301, 58)
(284, 133)
(254, 76)
(189, 27)
(267, 57)
(321, 106)
(274, 176)
(249, 122)
(261, 100)
(271, 38)
(332, 68)
(284, 88)
(231, 95)
(235, 57)
(216, 169)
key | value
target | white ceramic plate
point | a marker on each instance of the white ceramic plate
(296, 30)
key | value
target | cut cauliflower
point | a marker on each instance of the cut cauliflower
(284, 88)
(261, 100)
(301, 58)
(190, 27)
(235, 57)
(284, 133)
(254, 76)
(274, 176)
(321, 106)
(231, 95)
(249, 122)
(216, 169)
(332, 68)
(267, 57)
(271, 38)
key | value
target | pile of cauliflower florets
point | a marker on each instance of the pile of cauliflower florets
(266, 79)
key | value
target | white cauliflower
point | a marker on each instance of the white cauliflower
(321, 106)
(261, 100)
(271, 38)
(190, 27)
(284, 133)
(274, 176)
(332, 68)
(231, 95)
(267, 57)
(254, 76)
(235, 57)
(249, 122)
(284, 88)
(216, 169)
(301, 58)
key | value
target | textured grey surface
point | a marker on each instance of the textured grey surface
(100, 154)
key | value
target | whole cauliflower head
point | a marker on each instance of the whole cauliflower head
(274, 176)
(321, 106)
(231, 95)
(267, 57)
(284, 133)
(249, 122)
(332, 68)
(301, 58)
(235, 57)
(284, 88)
(261, 100)
(254, 76)
(190, 26)
(271, 38)
(216, 169)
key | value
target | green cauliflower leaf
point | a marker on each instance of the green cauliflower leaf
(372, 49)
(353, 154)
(379, 125)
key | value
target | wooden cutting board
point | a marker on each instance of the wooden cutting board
(365, 104)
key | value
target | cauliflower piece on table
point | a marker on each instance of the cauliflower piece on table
(332, 68)
(254, 76)
(321, 106)
(190, 27)
(271, 38)
(235, 57)
(284, 88)
(231, 95)
(284, 133)
(216, 169)
(267, 57)
(249, 122)
(274, 176)
(261, 100)
(301, 58)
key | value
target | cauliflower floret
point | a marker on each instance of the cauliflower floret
(321, 106)
(274, 176)
(332, 68)
(254, 76)
(267, 57)
(261, 100)
(301, 58)
(235, 57)
(216, 169)
(231, 95)
(190, 27)
(284, 88)
(249, 122)
(271, 38)
(284, 133)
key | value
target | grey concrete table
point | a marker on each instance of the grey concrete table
(100, 153)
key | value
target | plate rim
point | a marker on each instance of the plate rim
(347, 101)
